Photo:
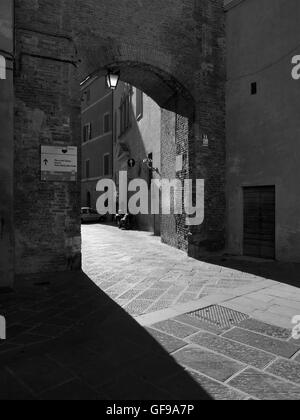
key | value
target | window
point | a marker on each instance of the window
(139, 104)
(87, 168)
(106, 123)
(253, 88)
(106, 164)
(125, 109)
(87, 132)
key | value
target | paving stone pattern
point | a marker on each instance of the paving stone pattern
(145, 276)
(236, 364)
(67, 339)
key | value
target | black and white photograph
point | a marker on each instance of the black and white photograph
(149, 203)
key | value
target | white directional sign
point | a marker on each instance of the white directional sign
(59, 163)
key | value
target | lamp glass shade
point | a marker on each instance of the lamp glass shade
(112, 80)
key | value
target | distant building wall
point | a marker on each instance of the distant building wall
(263, 125)
(139, 141)
(96, 106)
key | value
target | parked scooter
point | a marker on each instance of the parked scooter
(125, 221)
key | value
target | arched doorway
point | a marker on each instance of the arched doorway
(176, 123)
(173, 51)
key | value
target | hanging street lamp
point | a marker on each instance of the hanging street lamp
(112, 79)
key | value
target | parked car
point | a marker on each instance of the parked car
(89, 215)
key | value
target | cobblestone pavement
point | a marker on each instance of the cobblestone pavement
(244, 360)
(143, 275)
(67, 339)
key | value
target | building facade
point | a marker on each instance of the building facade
(137, 122)
(97, 138)
(263, 128)
(121, 129)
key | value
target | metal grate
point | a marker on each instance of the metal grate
(220, 316)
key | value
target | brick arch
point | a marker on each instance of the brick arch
(177, 45)
(157, 83)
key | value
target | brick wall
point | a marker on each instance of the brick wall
(6, 145)
(47, 222)
(168, 171)
(177, 58)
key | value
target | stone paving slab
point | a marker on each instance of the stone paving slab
(28, 339)
(264, 386)
(72, 391)
(211, 364)
(49, 330)
(270, 345)
(271, 318)
(266, 329)
(12, 389)
(171, 344)
(141, 390)
(234, 350)
(39, 373)
(160, 305)
(218, 390)
(287, 369)
(179, 385)
(196, 322)
(6, 347)
(138, 306)
(175, 328)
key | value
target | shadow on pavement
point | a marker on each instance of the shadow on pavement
(68, 340)
(285, 273)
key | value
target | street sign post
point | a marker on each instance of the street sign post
(59, 163)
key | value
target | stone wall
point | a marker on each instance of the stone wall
(263, 129)
(47, 214)
(6, 146)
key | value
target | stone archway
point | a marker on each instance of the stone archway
(177, 122)
(173, 50)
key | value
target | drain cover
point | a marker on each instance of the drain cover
(220, 316)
